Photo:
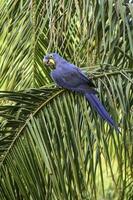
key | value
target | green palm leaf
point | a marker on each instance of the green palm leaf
(88, 33)
(52, 144)
(54, 135)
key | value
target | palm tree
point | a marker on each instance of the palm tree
(52, 144)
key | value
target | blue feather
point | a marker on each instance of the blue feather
(97, 105)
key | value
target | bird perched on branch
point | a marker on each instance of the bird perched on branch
(69, 76)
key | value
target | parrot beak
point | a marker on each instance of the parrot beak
(49, 61)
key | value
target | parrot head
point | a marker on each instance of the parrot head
(51, 59)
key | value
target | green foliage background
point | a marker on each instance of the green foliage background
(52, 144)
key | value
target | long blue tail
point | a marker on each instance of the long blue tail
(97, 105)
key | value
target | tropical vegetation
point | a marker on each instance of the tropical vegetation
(52, 144)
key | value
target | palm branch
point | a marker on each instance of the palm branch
(53, 145)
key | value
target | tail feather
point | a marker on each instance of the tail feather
(97, 105)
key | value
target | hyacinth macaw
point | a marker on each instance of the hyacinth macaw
(69, 76)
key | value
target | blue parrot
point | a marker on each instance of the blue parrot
(69, 76)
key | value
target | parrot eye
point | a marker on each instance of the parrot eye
(51, 56)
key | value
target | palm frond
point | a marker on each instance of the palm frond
(52, 145)
(87, 33)
(52, 138)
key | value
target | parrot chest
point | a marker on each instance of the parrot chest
(57, 76)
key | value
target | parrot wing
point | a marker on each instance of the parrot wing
(72, 78)
(74, 75)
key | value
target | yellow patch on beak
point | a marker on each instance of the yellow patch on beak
(51, 61)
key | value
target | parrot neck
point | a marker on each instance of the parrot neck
(61, 62)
